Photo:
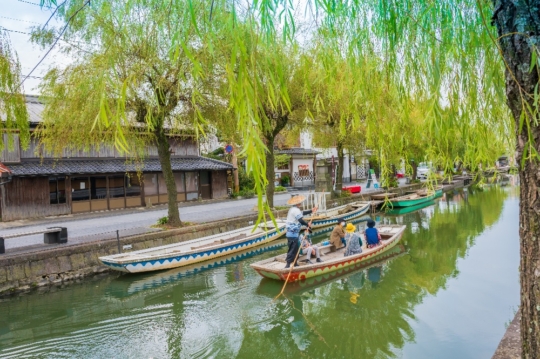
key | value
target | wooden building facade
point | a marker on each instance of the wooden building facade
(101, 179)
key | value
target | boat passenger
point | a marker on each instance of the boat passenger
(354, 242)
(337, 238)
(309, 248)
(293, 224)
(373, 237)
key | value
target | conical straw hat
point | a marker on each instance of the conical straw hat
(296, 199)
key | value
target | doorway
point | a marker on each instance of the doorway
(205, 187)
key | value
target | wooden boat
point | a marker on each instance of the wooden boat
(383, 196)
(334, 260)
(271, 287)
(197, 250)
(331, 216)
(129, 285)
(411, 200)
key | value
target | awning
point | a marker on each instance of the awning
(116, 165)
(4, 171)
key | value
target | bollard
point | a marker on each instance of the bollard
(118, 240)
(61, 236)
(2, 246)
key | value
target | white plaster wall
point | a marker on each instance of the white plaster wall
(302, 161)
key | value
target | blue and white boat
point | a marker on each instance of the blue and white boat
(196, 250)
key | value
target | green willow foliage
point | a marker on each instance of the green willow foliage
(12, 104)
(423, 78)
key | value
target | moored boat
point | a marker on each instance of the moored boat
(196, 250)
(412, 199)
(331, 216)
(383, 196)
(333, 260)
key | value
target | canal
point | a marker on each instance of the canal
(448, 291)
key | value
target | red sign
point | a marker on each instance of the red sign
(303, 167)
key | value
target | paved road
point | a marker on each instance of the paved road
(99, 226)
(107, 224)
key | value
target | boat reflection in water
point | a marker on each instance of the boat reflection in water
(127, 285)
(272, 287)
(403, 210)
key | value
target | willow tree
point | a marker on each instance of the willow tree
(445, 52)
(279, 72)
(139, 75)
(13, 114)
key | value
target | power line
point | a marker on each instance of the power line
(10, 18)
(17, 31)
(55, 41)
(33, 3)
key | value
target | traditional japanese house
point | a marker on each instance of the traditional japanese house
(36, 185)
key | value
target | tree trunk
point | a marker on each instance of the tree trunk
(339, 172)
(518, 25)
(270, 175)
(165, 161)
(235, 172)
(414, 170)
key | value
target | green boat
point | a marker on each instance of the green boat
(411, 200)
(404, 210)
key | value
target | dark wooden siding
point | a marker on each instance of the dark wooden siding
(219, 184)
(28, 197)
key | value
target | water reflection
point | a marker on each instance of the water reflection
(225, 310)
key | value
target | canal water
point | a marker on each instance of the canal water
(448, 291)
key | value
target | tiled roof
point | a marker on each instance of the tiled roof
(119, 165)
(297, 151)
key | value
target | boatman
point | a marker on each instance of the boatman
(293, 224)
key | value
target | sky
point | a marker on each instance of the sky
(21, 15)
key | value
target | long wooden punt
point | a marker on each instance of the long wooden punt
(333, 260)
(196, 250)
(272, 287)
(413, 199)
(331, 216)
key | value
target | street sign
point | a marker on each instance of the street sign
(228, 149)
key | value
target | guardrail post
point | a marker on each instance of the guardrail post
(118, 241)
(2, 246)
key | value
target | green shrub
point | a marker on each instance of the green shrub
(247, 193)
(163, 220)
(280, 189)
(345, 194)
(245, 180)
(285, 180)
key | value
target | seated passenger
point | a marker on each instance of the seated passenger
(373, 237)
(309, 248)
(354, 243)
(337, 238)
